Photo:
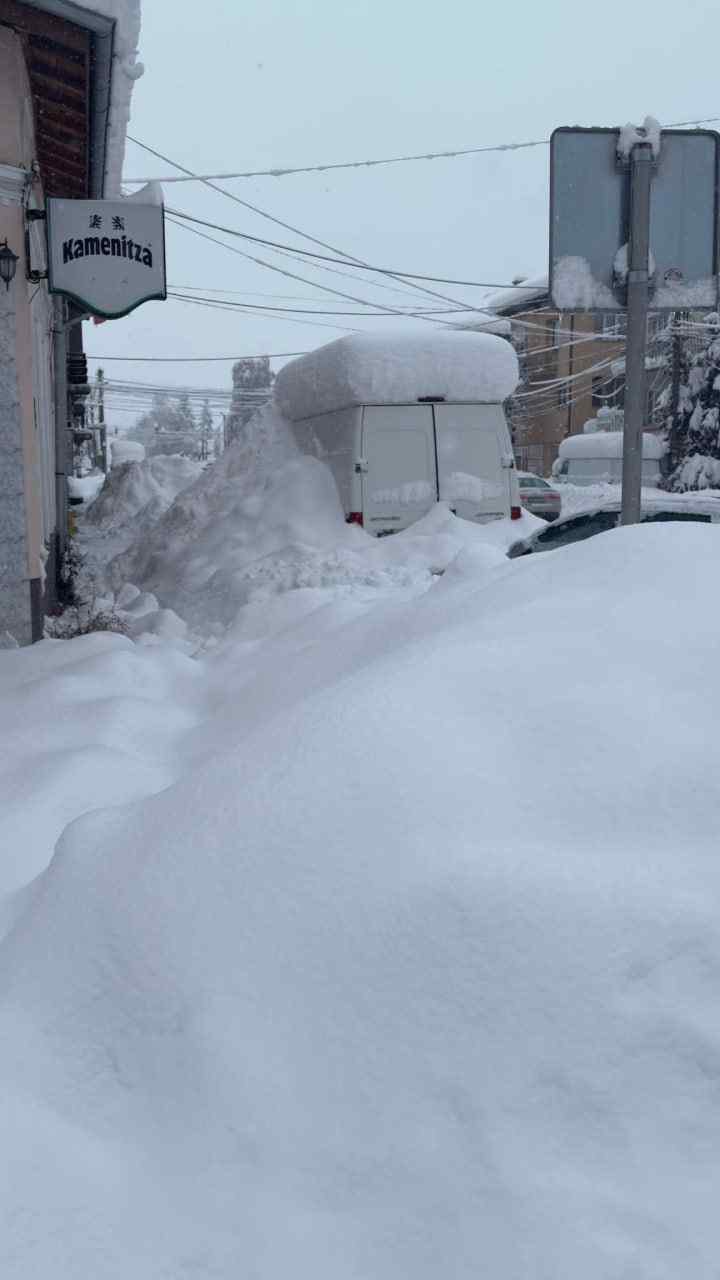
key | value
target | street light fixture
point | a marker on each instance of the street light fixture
(8, 264)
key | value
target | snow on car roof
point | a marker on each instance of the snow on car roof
(606, 444)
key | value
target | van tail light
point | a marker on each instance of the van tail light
(355, 517)
(516, 513)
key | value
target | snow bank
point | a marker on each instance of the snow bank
(86, 722)
(265, 520)
(138, 493)
(122, 450)
(413, 971)
(85, 487)
(392, 368)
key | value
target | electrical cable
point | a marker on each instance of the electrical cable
(263, 213)
(256, 355)
(349, 297)
(366, 164)
(322, 257)
(259, 306)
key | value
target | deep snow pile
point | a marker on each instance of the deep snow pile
(414, 970)
(85, 487)
(122, 450)
(397, 368)
(138, 493)
(265, 520)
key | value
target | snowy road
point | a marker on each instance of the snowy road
(383, 941)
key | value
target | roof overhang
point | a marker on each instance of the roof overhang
(101, 30)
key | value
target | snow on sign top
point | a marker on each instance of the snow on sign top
(631, 134)
(396, 368)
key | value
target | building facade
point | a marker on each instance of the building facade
(571, 366)
(63, 109)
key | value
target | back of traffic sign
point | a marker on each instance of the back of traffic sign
(590, 218)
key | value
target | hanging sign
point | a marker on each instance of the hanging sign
(107, 255)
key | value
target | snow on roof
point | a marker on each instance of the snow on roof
(526, 291)
(397, 368)
(125, 71)
(607, 444)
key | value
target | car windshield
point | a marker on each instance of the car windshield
(532, 482)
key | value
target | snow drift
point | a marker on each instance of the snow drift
(265, 519)
(397, 368)
(139, 492)
(413, 971)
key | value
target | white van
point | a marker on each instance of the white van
(596, 458)
(404, 421)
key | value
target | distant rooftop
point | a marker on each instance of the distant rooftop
(526, 292)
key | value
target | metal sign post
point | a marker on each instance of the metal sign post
(610, 251)
(638, 283)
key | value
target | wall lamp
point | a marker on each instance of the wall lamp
(8, 264)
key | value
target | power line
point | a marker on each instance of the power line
(259, 306)
(346, 164)
(292, 275)
(263, 213)
(262, 355)
(218, 304)
(292, 253)
(368, 164)
(308, 253)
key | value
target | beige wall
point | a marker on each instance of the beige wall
(542, 420)
(31, 336)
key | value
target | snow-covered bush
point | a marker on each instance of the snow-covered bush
(694, 434)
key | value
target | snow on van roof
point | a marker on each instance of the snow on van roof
(397, 368)
(607, 444)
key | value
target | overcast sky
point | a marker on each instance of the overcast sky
(269, 83)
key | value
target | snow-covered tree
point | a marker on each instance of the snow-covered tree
(168, 427)
(206, 430)
(694, 431)
(252, 387)
(185, 415)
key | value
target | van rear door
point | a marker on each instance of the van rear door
(399, 482)
(473, 450)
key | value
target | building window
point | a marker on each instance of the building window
(611, 324)
(607, 391)
(564, 394)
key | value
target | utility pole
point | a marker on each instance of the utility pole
(100, 380)
(62, 447)
(638, 280)
(676, 370)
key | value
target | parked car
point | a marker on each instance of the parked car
(538, 497)
(404, 422)
(596, 458)
(606, 515)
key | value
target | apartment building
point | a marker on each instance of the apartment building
(571, 365)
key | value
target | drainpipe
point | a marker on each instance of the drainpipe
(61, 431)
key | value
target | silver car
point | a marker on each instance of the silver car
(539, 497)
(604, 516)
